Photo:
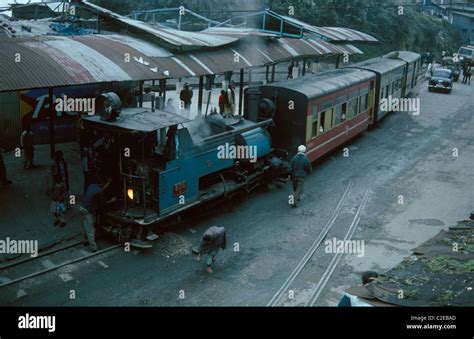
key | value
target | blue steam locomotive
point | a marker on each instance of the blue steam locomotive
(162, 164)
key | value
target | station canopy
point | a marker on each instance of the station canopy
(144, 51)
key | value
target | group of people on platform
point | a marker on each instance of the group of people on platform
(226, 102)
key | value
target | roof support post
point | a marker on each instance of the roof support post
(273, 72)
(250, 78)
(303, 72)
(98, 24)
(200, 94)
(163, 90)
(267, 71)
(140, 95)
(52, 116)
(241, 91)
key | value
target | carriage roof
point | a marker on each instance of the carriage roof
(380, 65)
(140, 119)
(319, 84)
(404, 55)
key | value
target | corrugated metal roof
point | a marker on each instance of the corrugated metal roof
(220, 36)
(316, 85)
(350, 49)
(237, 32)
(170, 38)
(333, 34)
(68, 61)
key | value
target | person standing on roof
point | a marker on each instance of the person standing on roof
(299, 168)
(212, 241)
(186, 96)
(290, 70)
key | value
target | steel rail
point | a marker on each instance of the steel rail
(68, 262)
(302, 263)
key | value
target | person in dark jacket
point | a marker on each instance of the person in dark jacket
(290, 70)
(299, 168)
(212, 241)
(185, 96)
(59, 168)
(92, 204)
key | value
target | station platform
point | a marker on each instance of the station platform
(24, 205)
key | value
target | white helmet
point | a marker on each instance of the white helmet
(302, 149)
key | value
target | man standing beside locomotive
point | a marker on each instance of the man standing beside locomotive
(299, 168)
(212, 241)
(92, 204)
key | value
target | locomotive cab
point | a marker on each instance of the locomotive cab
(132, 149)
(162, 164)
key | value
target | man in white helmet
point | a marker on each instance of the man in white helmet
(299, 168)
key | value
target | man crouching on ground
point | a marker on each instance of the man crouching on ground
(212, 240)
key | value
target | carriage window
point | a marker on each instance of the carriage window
(340, 114)
(344, 112)
(315, 128)
(387, 89)
(322, 120)
(364, 103)
(353, 105)
(315, 112)
(314, 131)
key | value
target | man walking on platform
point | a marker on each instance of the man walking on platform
(299, 168)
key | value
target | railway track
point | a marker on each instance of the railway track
(13, 277)
(281, 295)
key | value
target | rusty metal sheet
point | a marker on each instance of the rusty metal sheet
(334, 34)
(168, 37)
(69, 61)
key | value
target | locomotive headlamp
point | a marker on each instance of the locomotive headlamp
(130, 193)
